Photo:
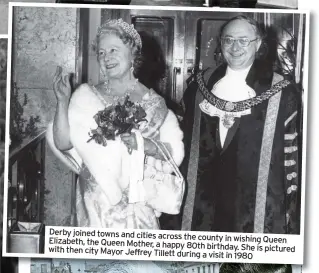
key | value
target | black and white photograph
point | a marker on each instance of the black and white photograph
(97, 266)
(155, 119)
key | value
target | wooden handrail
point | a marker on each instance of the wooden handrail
(30, 154)
(17, 152)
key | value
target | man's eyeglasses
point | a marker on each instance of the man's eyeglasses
(229, 41)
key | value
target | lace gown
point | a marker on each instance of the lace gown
(103, 190)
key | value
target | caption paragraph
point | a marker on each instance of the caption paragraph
(163, 245)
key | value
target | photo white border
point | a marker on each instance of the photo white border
(305, 85)
(160, 8)
(24, 265)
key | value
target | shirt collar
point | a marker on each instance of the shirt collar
(241, 74)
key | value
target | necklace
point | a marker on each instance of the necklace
(116, 98)
(228, 118)
(230, 108)
(239, 106)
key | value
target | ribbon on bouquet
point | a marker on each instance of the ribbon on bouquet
(136, 171)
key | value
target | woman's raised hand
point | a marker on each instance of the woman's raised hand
(61, 86)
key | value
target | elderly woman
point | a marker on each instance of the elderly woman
(130, 180)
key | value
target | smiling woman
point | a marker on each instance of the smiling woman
(116, 186)
(118, 52)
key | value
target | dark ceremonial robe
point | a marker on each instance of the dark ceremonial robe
(221, 195)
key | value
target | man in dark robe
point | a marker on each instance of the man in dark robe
(242, 142)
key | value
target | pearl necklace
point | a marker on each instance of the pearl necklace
(116, 98)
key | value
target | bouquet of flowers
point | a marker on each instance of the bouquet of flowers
(116, 120)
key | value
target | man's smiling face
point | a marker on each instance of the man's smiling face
(239, 57)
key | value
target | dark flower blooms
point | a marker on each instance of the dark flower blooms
(116, 120)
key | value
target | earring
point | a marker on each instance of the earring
(102, 72)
